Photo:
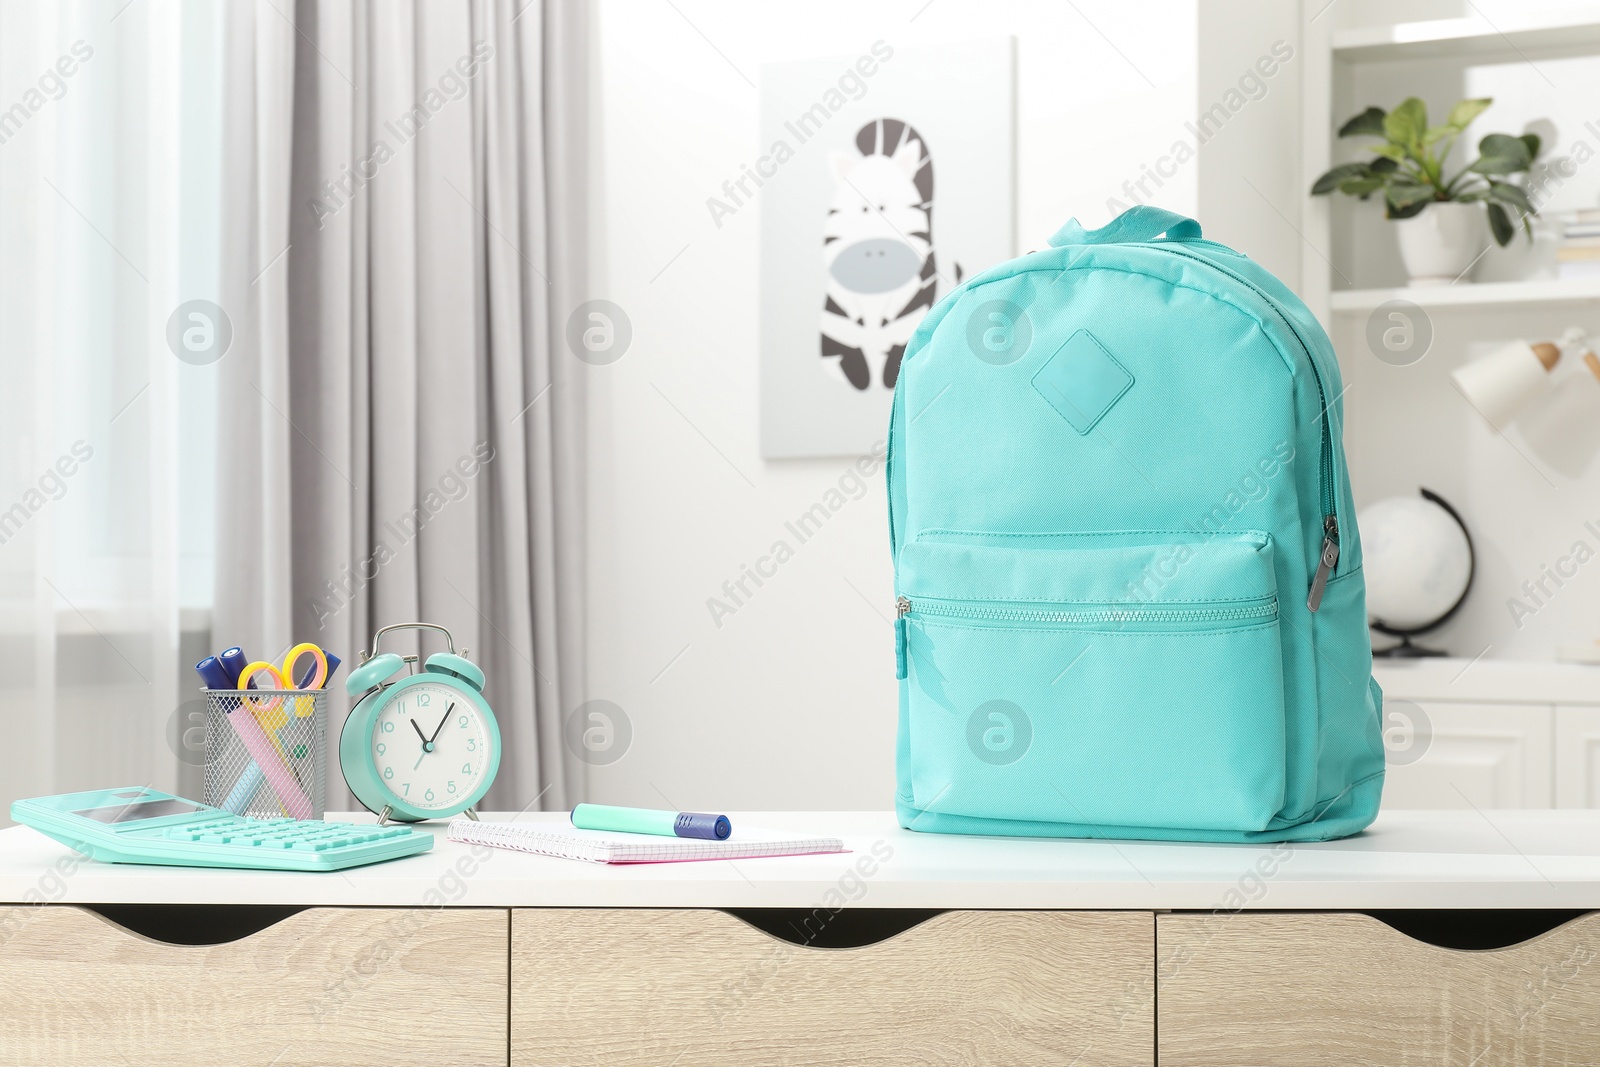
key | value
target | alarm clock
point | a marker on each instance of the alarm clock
(422, 746)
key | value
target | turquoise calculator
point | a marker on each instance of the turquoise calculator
(142, 825)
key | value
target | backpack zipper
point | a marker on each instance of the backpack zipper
(1328, 558)
(902, 608)
(1066, 618)
(1085, 617)
(888, 462)
(1325, 563)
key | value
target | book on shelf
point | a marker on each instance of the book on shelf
(1581, 225)
(1571, 269)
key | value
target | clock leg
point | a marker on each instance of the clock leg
(471, 813)
(383, 816)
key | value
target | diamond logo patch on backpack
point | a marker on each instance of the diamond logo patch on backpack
(1082, 381)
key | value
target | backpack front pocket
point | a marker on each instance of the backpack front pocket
(1100, 680)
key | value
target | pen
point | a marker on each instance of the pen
(233, 661)
(650, 821)
(311, 671)
(290, 795)
(213, 675)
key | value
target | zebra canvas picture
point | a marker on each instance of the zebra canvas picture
(883, 181)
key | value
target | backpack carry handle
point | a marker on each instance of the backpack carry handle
(1141, 223)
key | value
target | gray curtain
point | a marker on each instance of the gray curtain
(406, 427)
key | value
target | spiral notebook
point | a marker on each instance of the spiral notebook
(602, 846)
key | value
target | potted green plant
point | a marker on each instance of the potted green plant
(1437, 216)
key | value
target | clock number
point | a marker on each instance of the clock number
(382, 748)
(451, 785)
(388, 726)
(407, 787)
(388, 772)
(424, 699)
(466, 768)
(428, 795)
(462, 722)
(472, 744)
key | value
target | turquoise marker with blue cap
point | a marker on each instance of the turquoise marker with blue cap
(650, 821)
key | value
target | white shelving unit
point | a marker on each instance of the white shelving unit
(1501, 731)
(1331, 53)
(1471, 36)
(1487, 296)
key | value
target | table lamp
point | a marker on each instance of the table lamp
(1502, 384)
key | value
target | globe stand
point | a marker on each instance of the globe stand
(1405, 649)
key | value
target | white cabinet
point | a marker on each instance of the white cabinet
(1578, 758)
(1445, 755)
(1490, 734)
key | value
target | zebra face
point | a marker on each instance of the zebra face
(875, 238)
(876, 265)
(877, 253)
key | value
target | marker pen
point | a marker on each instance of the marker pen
(651, 821)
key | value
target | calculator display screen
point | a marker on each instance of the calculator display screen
(149, 809)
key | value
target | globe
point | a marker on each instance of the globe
(1417, 559)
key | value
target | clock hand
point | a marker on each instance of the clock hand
(442, 721)
(420, 758)
(418, 729)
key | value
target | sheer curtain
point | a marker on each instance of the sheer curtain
(109, 180)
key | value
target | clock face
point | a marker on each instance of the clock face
(431, 746)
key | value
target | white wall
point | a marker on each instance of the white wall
(790, 703)
(1252, 60)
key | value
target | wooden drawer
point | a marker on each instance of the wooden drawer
(652, 988)
(324, 986)
(1310, 990)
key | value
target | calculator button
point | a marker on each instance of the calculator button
(223, 841)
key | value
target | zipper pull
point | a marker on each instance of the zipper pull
(1325, 565)
(902, 608)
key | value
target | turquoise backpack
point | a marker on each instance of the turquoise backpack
(1128, 581)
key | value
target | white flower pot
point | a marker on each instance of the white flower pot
(1441, 243)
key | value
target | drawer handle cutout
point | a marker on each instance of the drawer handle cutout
(194, 924)
(1474, 930)
(824, 928)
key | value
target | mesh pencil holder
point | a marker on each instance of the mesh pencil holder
(267, 752)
